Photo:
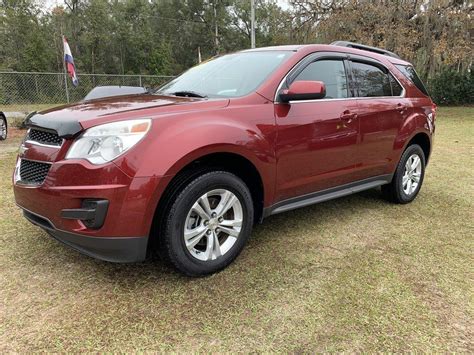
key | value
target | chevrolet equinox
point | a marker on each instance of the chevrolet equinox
(185, 171)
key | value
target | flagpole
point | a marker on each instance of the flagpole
(252, 23)
(65, 72)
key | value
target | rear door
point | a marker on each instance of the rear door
(382, 109)
(317, 139)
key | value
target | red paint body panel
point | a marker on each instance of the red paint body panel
(315, 148)
(297, 148)
(380, 123)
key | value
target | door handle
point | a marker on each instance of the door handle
(401, 108)
(348, 116)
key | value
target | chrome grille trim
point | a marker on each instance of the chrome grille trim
(43, 138)
(31, 172)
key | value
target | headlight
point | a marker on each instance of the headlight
(104, 143)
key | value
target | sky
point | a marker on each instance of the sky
(283, 3)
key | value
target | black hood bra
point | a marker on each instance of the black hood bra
(64, 128)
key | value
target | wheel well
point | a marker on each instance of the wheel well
(237, 165)
(424, 142)
(230, 162)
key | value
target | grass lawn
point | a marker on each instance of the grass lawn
(354, 274)
(26, 108)
(16, 113)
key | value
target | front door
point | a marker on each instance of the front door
(317, 139)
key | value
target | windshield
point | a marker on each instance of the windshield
(231, 75)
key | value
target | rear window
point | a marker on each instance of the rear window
(372, 81)
(411, 74)
(397, 90)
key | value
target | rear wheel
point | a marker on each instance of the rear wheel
(408, 177)
(207, 224)
(3, 128)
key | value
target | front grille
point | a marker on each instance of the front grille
(44, 137)
(33, 172)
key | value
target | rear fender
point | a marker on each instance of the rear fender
(415, 124)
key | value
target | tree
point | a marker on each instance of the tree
(23, 34)
(432, 34)
(163, 36)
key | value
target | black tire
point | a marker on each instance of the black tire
(394, 191)
(3, 128)
(172, 246)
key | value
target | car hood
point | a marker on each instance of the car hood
(68, 120)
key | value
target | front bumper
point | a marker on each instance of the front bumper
(120, 250)
(69, 184)
(66, 205)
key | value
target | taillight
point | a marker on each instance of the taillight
(434, 107)
(431, 118)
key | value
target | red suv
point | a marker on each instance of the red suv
(187, 170)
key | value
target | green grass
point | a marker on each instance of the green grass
(354, 274)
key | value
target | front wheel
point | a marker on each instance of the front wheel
(408, 177)
(208, 224)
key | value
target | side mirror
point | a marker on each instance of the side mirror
(304, 90)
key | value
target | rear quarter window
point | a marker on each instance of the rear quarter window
(411, 75)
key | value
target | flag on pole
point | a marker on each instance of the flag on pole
(69, 63)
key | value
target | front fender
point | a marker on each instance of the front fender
(175, 141)
(169, 148)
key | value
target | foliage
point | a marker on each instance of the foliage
(450, 87)
(130, 36)
(432, 34)
(23, 37)
(164, 36)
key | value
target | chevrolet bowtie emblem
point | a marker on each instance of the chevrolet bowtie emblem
(22, 150)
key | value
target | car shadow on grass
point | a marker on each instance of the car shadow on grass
(258, 254)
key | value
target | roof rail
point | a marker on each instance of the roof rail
(365, 48)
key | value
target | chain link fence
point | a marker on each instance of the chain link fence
(23, 91)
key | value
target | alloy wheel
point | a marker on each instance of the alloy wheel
(213, 225)
(412, 174)
(3, 129)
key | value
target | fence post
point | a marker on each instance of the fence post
(67, 89)
(36, 86)
(140, 79)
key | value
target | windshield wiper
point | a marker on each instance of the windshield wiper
(186, 93)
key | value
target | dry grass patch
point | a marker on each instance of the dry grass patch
(26, 108)
(354, 274)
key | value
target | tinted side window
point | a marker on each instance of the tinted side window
(371, 80)
(411, 74)
(331, 72)
(396, 88)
